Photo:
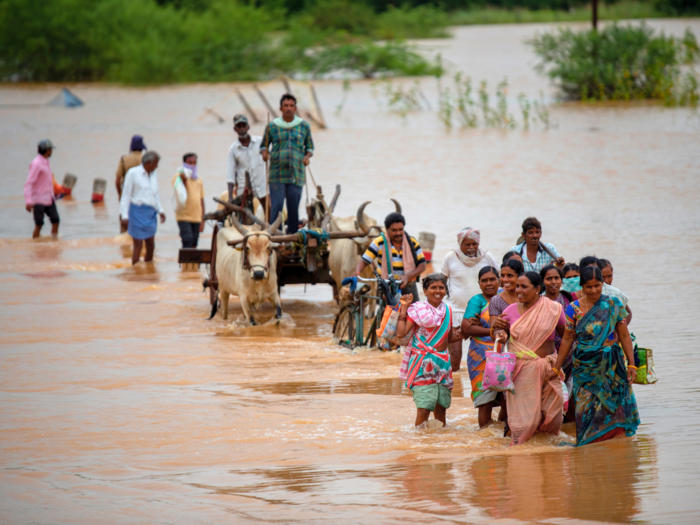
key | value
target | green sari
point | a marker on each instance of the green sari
(605, 403)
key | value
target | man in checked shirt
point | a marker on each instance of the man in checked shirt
(288, 144)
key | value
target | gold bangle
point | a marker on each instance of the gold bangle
(631, 366)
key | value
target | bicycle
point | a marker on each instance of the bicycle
(349, 325)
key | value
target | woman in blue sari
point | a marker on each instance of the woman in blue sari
(605, 404)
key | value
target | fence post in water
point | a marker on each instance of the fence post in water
(267, 104)
(98, 190)
(594, 9)
(247, 107)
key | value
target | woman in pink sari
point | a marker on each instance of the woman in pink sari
(538, 403)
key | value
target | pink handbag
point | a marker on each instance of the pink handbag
(498, 371)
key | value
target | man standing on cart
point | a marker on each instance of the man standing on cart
(404, 252)
(244, 157)
(288, 144)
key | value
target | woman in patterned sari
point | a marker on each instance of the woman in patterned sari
(476, 324)
(426, 362)
(538, 402)
(605, 404)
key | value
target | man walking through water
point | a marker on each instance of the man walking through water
(126, 162)
(38, 190)
(244, 156)
(288, 143)
(402, 255)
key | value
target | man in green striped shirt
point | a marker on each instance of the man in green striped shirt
(288, 144)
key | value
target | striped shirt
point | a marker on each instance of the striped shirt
(376, 252)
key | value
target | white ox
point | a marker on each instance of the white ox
(346, 253)
(248, 270)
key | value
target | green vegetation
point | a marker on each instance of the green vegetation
(616, 11)
(165, 41)
(462, 106)
(621, 63)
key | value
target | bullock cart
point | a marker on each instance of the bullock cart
(300, 258)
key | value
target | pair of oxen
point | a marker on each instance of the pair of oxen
(250, 270)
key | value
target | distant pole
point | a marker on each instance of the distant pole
(594, 8)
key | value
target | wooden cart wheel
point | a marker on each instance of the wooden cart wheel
(344, 326)
(213, 279)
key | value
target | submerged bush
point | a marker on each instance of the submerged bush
(620, 63)
(371, 59)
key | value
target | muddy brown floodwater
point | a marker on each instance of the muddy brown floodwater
(121, 403)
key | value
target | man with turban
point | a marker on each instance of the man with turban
(461, 267)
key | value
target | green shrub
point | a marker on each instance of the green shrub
(678, 7)
(620, 63)
(420, 22)
(371, 59)
(48, 41)
(625, 10)
(355, 18)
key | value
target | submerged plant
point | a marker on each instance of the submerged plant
(479, 112)
(620, 63)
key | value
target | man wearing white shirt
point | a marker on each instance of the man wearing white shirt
(140, 204)
(244, 156)
(461, 266)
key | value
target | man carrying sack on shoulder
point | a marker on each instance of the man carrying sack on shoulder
(403, 251)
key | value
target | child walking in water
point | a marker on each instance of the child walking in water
(426, 363)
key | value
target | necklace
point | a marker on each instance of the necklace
(585, 300)
(522, 310)
(509, 299)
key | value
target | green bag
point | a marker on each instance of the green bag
(646, 375)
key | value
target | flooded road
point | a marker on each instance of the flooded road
(121, 403)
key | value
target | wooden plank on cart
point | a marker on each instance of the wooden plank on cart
(311, 242)
(194, 256)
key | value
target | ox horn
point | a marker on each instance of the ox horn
(361, 219)
(272, 229)
(242, 229)
(398, 206)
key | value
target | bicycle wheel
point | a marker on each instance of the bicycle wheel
(344, 326)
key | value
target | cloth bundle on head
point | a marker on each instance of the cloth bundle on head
(475, 235)
(472, 233)
(137, 143)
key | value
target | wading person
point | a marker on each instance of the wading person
(140, 205)
(190, 218)
(426, 364)
(533, 255)
(461, 267)
(244, 157)
(126, 162)
(287, 143)
(402, 255)
(38, 190)
(606, 407)
(571, 270)
(510, 271)
(538, 402)
(574, 285)
(476, 325)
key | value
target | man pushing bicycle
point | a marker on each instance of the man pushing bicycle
(406, 255)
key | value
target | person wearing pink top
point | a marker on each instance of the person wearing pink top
(38, 190)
